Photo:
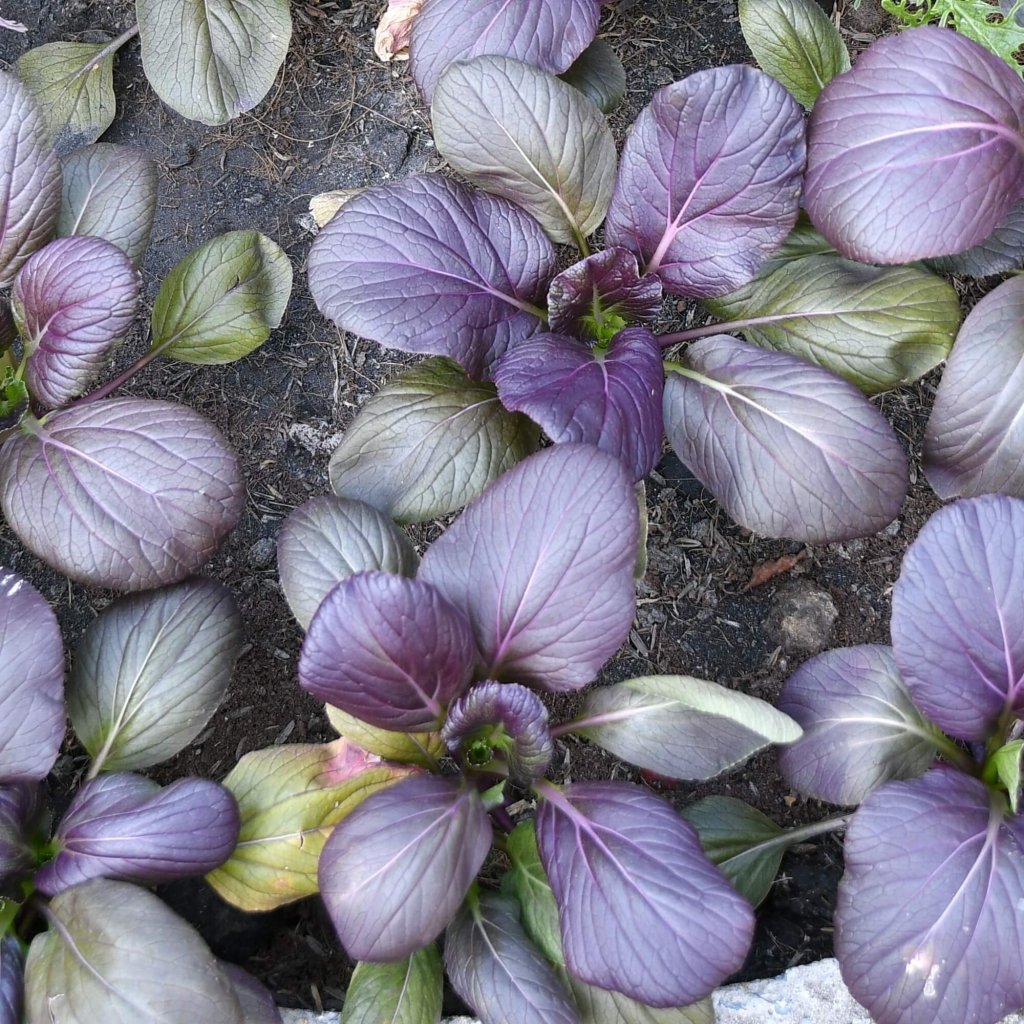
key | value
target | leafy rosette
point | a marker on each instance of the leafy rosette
(502, 721)
(928, 923)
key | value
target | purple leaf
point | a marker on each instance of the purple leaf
(429, 266)
(498, 971)
(928, 921)
(860, 726)
(515, 710)
(974, 441)
(542, 566)
(583, 298)
(389, 650)
(1003, 250)
(31, 683)
(29, 179)
(116, 953)
(136, 493)
(395, 871)
(611, 400)
(21, 811)
(12, 980)
(110, 192)
(328, 539)
(626, 869)
(709, 182)
(125, 826)
(958, 616)
(73, 301)
(258, 1006)
(788, 448)
(917, 152)
(548, 35)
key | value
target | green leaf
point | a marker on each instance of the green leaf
(212, 60)
(599, 1006)
(74, 90)
(875, 326)
(13, 398)
(598, 73)
(222, 300)
(420, 748)
(530, 886)
(290, 799)
(796, 43)
(407, 992)
(428, 443)
(745, 844)
(1004, 768)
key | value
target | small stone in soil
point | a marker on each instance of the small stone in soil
(802, 618)
(261, 554)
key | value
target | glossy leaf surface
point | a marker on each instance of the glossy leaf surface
(109, 192)
(30, 179)
(396, 870)
(789, 449)
(407, 992)
(73, 301)
(529, 883)
(516, 131)
(598, 73)
(796, 43)
(136, 493)
(32, 682)
(429, 442)
(542, 566)
(421, 748)
(125, 826)
(860, 726)
(709, 182)
(928, 921)
(681, 727)
(432, 267)
(222, 300)
(328, 539)
(212, 60)
(389, 650)
(672, 927)
(974, 441)
(550, 36)
(97, 963)
(611, 400)
(874, 326)
(151, 670)
(958, 616)
(1003, 250)
(918, 151)
(74, 90)
(290, 798)
(498, 971)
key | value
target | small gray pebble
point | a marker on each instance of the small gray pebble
(262, 553)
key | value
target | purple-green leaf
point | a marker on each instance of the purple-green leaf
(610, 399)
(431, 267)
(31, 683)
(125, 826)
(958, 616)
(548, 35)
(917, 152)
(110, 192)
(258, 1006)
(328, 539)
(598, 73)
(974, 441)
(126, 493)
(498, 971)
(1003, 250)
(389, 650)
(642, 909)
(709, 183)
(12, 980)
(21, 820)
(73, 301)
(29, 179)
(542, 566)
(860, 726)
(395, 871)
(789, 449)
(929, 927)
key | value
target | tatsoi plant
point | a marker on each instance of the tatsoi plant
(210, 60)
(147, 676)
(929, 927)
(557, 902)
(124, 493)
(703, 203)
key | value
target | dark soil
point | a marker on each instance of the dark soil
(339, 119)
